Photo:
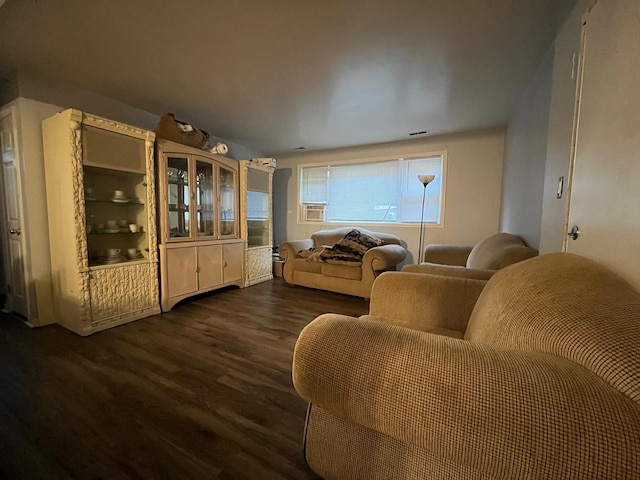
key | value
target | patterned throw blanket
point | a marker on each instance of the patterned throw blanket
(348, 250)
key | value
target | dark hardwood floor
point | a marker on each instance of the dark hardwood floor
(201, 392)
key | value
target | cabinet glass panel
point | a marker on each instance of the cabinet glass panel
(116, 225)
(102, 148)
(205, 197)
(257, 208)
(227, 202)
(178, 190)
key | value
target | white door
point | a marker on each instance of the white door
(16, 294)
(605, 193)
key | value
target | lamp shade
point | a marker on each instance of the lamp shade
(426, 179)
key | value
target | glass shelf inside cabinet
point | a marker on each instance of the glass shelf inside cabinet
(113, 187)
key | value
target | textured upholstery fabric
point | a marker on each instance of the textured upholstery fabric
(449, 270)
(499, 251)
(479, 262)
(446, 254)
(342, 271)
(336, 275)
(423, 301)
(571, 312)
(544, 384)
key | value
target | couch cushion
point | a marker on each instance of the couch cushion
(565, 305)
(303, 265)
(499, 251)
(342, 271)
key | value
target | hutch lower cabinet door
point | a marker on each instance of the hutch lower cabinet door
(188, 270)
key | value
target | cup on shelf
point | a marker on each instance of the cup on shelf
(118, 194)
(113, 252)
(122, 223)
(111, 224)
(133, 228)
(132, 252)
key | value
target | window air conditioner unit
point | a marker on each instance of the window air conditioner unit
(313, 213)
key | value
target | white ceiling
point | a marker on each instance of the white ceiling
(273, 75)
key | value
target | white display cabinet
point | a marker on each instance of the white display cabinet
(200, 249)
(256, 213)
(101, 204)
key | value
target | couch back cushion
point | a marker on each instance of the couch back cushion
(565, 305)
(499, 251)
(331, 237)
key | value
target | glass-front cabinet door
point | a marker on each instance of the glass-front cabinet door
(205, 199)
(201, 199)
(178, 180)
(227, 218)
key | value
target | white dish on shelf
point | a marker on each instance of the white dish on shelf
(120, 199)
(110, 230)
(110, 260)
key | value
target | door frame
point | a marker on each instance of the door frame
(11, 110)
(576, 127)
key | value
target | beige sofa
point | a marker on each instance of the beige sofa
(353, 278)
(480, 261)
(534, 374)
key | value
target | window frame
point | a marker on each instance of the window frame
(363, 160)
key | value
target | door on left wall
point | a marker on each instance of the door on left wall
(16, 298)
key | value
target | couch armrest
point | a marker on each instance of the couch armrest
(446, 254)
(505, 413)
(420, 301)
(450, 270)
(384, 257)
(289, 250)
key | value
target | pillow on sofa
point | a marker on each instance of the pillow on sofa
(357, 243)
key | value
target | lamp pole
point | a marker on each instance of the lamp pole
(424, 180)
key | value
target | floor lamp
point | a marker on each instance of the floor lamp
(424, 180)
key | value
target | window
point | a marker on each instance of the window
(386, 191)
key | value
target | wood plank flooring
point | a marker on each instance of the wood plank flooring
(201, 392)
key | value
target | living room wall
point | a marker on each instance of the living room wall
(473, 189)
(49, 91)
(538, 144)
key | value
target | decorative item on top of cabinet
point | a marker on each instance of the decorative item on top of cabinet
(200, 249)
(102, 214)
(256, 184)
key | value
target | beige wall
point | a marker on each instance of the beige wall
(538, 144)
(525, 157)
(67, 96)
(472, 203)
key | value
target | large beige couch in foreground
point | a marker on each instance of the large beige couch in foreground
(480, 261)
(351, 279)
(535, 375)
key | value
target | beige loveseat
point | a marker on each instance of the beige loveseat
(535, 375)
(480, 261)
(351, 278)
